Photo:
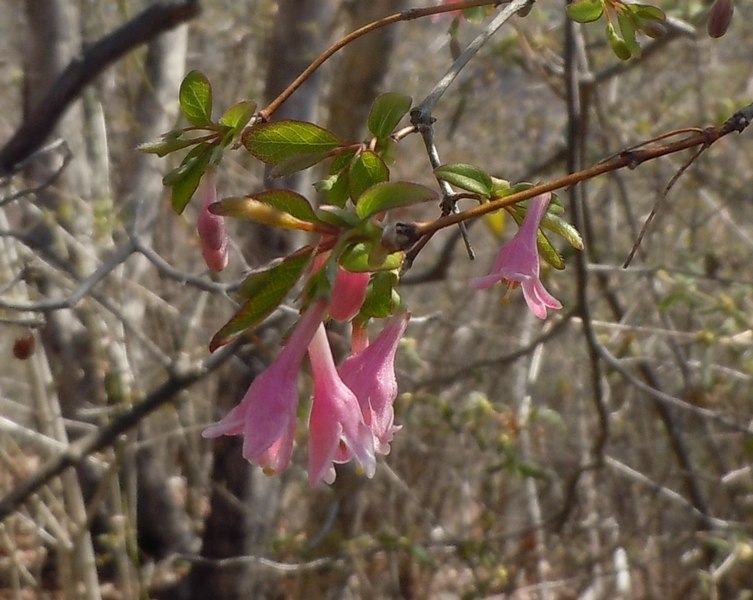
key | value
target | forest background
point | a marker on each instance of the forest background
(603, 453)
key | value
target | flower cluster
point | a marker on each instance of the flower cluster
(351, 411)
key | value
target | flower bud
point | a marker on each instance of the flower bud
(720, 18)
(211, 228)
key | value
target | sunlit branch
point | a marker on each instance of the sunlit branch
(410, 232)
(404, 15)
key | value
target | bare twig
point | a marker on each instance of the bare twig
(152, 21)
(77, 452)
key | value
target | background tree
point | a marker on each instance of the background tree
(603, 453)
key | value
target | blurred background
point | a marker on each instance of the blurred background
(604, 453)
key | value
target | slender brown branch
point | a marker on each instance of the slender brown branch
(78, 451)
(148, 24)
(629, 158)
(404, 15)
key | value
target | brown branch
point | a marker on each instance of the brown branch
(79, 450)
(410, 232)
(148, 24)
(404, 15)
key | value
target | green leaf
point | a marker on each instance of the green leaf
(288, 201)
(339, 193)
(265, 291)
(195, 98)
(646, 11)
(251, 208)
(547, 252)
(165, 146)
(564, 229)
(238, 115)
(337, 216)
(386, 112)
(275, 142)
(628, 24)
(585, 11)
(365, 170)
(358, 259)
(381, 298)
(185, 179)
(384, 196)
(619, 47)
(466, 177)
(296, 163)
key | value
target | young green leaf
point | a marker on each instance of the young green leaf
(165, 146)
(238, 115)
(628, 24)
(185, 179)
(384, 196)
(298, 162)
(275, 142)
(619, 47)
(585, 11)
(646, 11)
(264, 290)
(195, 98)
(386, 113)
(564, 229)
(357, 259)
(337, 216)
(466, 177)
(288, 201)
(252, 209)
(381, 298)
(365, 170)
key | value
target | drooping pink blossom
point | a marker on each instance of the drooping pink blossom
(518, 261)
(337, 432)
(348, 294)
(211, 227)
(266, 416)
(370, 374)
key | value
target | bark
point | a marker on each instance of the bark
(361, 68)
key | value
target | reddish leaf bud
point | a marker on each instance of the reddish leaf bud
(23, 347)
(720, 17)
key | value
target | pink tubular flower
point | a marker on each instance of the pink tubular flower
(337, 431)
(518, 261)
(266, 417)
(348, 294)
(211, 228)
(370, 374)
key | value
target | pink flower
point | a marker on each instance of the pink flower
(337, 431)
(266, 417)
(370, 374)
(348, 294)
(211, 228)
(518, 261)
